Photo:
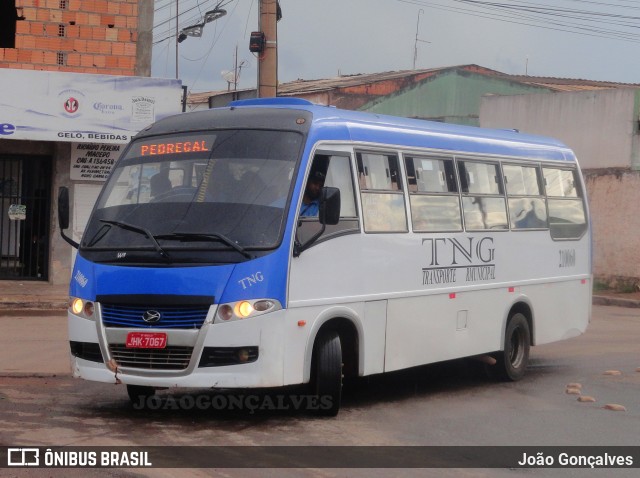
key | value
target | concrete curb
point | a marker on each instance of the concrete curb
(616, 301)
(35, 375)
(32, 311)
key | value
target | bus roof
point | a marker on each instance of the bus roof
(333, 124)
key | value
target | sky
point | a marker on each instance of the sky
(586, 39)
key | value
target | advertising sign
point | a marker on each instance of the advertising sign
(93, 161)
(55, 106)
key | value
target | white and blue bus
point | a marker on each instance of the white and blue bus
(426, 242)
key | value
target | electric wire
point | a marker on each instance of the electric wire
(567, 17)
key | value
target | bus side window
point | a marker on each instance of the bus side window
(336, 169)
(483, 201)
(527, 208)
(383, 206)
(339, 176)
(567, 218)
(433, 195)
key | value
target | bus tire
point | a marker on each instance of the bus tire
(140, 395)
(327, 374)
(512, 362)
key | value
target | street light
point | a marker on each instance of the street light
(214, 14)
(196, 30)
(192, 31)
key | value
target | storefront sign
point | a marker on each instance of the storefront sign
(58, 106)
(93, 161)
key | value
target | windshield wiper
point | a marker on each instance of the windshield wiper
(198, 236)
(139, 230)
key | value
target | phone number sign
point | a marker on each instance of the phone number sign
(93, 161)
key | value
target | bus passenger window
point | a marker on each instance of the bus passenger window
(527, 209)
(483, 202)
(339, 176)
(383, 205)
(559, 183)
(567, 218)
(433, 195)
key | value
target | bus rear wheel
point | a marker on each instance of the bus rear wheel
(326, 378)
(512, 363)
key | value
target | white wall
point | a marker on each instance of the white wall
(598, 125)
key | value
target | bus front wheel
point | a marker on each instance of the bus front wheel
(512, 363)
(326, 376)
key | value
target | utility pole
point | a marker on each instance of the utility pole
(268, 59)
(177, 35)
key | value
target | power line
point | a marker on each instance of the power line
(581, 21)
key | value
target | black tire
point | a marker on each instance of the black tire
(512, 363)
(139, 395)
(326, 374)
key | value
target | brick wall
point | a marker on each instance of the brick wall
(82, 36)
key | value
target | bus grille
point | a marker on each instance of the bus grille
(189, 317)
(169, 358)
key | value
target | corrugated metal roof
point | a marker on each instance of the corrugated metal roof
(300, 86)
(558, 84)
(312, 86)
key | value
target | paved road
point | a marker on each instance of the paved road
(447, 404)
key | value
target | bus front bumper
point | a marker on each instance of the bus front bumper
(239, 354)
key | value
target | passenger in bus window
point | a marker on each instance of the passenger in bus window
(311, 199)
(222, 184)
(160, 183)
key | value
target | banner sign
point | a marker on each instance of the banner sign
(55, 106)
(93, 161)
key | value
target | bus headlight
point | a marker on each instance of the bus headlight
(82, 308)
(245, 309)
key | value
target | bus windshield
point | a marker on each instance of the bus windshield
(196, 197)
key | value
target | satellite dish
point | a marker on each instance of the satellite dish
(228, 76)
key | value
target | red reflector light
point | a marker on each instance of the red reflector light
(452, 295)
(583, 281)
(512, 289)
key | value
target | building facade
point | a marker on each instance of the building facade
(73, 90)
(82, 36)
(448, 94)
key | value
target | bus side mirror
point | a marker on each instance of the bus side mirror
(328, 215)
(63, 215)
(329, 211)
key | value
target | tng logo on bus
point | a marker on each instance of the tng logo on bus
(447, 256)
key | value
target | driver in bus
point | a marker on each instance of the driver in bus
(311, 199)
